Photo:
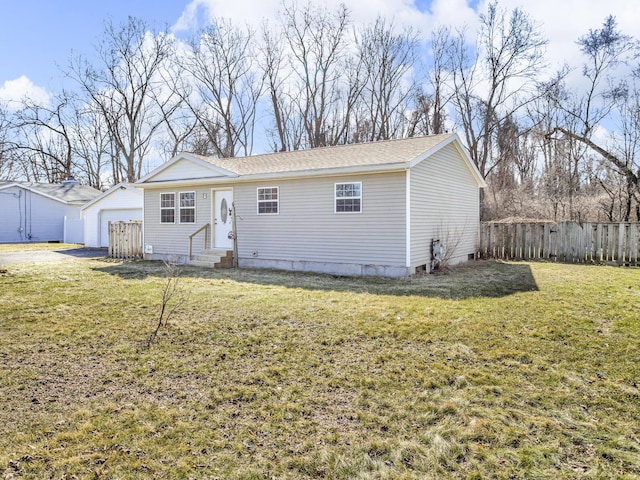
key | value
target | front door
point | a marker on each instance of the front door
(222, 219)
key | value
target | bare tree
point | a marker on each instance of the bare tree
(429, 114)
(7, 146)
(272, 55)
(606, 96)
(173, 298)
(180, 124)
(46, 138)
(123, 87)
(496, 80)
(316, 42)
(92, 146)
(226, 87)
(387, 60)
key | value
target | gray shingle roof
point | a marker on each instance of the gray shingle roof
(73, 194)
(343, 156)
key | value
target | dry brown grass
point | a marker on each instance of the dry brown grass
(496, 370)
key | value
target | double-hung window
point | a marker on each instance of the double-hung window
(348, 198)
(268, 201)
(187, 207)
(167, 208)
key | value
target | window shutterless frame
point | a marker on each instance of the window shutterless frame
(268, 200)
(168, 207)
(187, 207)
(348, 197)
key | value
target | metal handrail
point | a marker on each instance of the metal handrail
(205, 227)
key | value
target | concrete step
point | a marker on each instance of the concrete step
(213, 258)
(207, 258)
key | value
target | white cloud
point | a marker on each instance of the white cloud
(453, 13)
(563, 22)
(13, 91)
(240, 11)
(189, 18)
(254, 13)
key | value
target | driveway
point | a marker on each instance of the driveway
(51, 256)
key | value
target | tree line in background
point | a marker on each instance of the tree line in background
(314, 79)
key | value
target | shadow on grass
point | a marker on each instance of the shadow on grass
(490, 279)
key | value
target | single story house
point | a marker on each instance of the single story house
(121, 203)
(42, 212)
(360, 209)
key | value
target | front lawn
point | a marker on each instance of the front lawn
(503, 370)
(29, 247)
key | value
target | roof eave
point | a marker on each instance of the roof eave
(326, 172)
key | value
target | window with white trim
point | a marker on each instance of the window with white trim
(348, 197)
(167, 208)
(187, 207)
(268, 201)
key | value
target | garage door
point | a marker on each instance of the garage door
(120, 215)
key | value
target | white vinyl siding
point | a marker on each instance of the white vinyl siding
(268, 201)
(348, 197)
(26, 216)
(168, 207)
(120, 205)
(444, 205)
(185, 169)
(307, 229)
(187, 207)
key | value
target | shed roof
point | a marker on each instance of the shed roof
(73, 194)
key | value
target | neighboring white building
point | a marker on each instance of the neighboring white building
(361, 209)
(121, 203)
(41, 212)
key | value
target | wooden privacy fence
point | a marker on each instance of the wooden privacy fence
(125, 240)
(611, 243)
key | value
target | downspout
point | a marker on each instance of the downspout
(19, 197)
(27, 214)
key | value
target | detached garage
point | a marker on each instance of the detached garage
(122, 203)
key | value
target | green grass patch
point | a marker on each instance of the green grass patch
(497, 370)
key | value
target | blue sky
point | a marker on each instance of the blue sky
(38, 36)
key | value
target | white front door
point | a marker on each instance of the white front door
(222, 219)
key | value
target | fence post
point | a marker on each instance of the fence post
(621, 235)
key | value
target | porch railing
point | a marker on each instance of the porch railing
(205, 227)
